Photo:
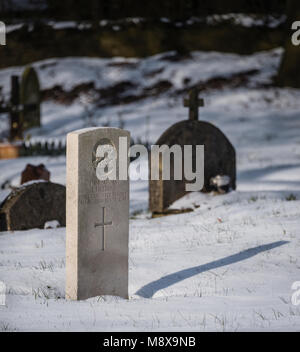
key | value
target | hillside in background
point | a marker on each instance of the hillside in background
(41, 29)
(29, 41)
(116, 9)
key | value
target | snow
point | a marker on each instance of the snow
(239, 19)
(72, 71)
(187, 272)
(247, 20)
(228, 265)
(13, 27)
(51, 224)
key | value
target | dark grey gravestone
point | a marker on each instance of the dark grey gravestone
(219, 158)
(32, 205)
(30, 98)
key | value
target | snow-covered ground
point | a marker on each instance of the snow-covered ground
(228, 265)
(238, 19)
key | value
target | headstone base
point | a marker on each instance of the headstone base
(168, 212)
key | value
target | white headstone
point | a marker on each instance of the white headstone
(97, 214)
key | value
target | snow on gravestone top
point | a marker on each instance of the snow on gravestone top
(97, 217)
(32, 205)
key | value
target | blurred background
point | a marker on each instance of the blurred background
(40, 29)
(130, 64)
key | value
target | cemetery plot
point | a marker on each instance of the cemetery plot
(228, 265)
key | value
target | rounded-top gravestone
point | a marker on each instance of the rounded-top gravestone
(219, 159)
(32, 205)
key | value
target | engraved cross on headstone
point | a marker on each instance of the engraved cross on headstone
(103, 224)
(193, 103)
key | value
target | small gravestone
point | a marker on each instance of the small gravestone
(219, 157)
(32, 205)
(30, 99)
(24, 104)
(32, 172)
(97, 216)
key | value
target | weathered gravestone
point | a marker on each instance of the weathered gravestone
(16, 129)
(32, 205)
(13, 108)
(97, 216)
(30, 99)
(32, 172)
(24, 110)
(219, 157)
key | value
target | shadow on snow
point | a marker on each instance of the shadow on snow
(150, 289)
